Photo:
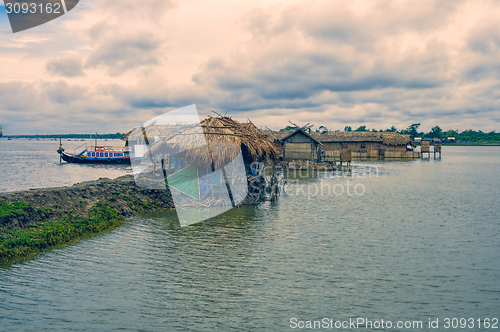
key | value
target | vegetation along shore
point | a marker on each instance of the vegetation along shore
(35, 220)
(468, 136)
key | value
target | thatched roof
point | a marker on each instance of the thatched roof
(395, 139)
(364, 136)
(224, 136)
(293, 132)
(151, 131)
(276, 135)
(249, 126)
(316, 135)
(341, 136)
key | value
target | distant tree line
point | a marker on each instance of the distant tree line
(469, 135)
(80, 136)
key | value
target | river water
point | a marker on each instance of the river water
(26, 164)
(405, 241)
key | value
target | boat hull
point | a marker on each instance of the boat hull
(85, 160)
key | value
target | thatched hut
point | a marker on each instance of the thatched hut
(150, 134)
(367, 145)
(299, 145)
(215, 142)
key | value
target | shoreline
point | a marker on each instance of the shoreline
(37, 220)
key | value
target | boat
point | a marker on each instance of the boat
(96, 155)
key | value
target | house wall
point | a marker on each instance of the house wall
(303, 151)
(300, 147)
(367, 150)
(401, 154)
(354, 146)
(425, 146)
(397, 148)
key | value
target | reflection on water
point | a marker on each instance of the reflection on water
(422, 242)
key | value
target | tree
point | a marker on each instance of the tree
(392, 130)
(322, 129)
(347, 128)
(361, 128)
(413, 129)
(289, 128)
(451, 133)
(436, 132)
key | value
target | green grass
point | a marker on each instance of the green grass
(14, 209)
(17, 244)
(471, 144)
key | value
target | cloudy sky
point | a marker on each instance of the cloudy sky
(109, 65)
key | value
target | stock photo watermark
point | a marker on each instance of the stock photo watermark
(323, 188)
(385, 324)
(27, 14)
(323, 181)
(204, 173)
(207, 173)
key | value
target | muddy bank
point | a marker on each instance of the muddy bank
(38, 219)
(48, 204)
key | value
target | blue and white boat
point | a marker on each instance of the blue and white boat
(96, 155)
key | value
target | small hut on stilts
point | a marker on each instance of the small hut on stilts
(214, 156)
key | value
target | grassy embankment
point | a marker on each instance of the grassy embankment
(37, 237)
(36, 220)
(33, 221)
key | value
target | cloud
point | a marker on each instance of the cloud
(339, 57)
(46, 107)
(18, 96)
(335, 63)
(70, 66)
(125, 53)
(132, 10)
(290, 58)
(62, 93)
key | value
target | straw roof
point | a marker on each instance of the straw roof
(300, 130)
(151, 131)
(224, 137)
(315, 135)
(342, 137)
(364, 136)
(276, 136)
(395, 139)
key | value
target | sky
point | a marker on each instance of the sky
(107, 66)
